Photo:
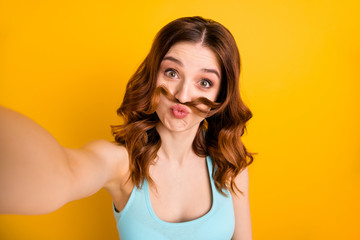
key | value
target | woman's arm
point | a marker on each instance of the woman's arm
(38, 175)
(242, 208)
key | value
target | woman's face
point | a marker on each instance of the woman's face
(188, 71)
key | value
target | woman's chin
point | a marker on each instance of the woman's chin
(179, 125)
(176, 126)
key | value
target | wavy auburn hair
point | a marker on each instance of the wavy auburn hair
(223, 128)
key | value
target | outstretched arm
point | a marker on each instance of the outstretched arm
(38, 175)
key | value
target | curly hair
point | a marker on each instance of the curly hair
(219, 134)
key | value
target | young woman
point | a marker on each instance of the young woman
(178, 167)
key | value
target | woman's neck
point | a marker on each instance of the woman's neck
(176, 146)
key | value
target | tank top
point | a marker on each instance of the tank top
(138, 221)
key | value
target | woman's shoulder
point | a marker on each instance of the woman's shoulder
(107, 149)
(116, 158)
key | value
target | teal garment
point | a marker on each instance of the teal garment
(138, 221)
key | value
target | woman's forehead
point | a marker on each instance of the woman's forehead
(188, 54)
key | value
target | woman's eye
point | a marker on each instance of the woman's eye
(205, 83)
(171, 73)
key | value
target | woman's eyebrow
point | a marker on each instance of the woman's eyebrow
(173, 60)
(170, 58)
(211, 71)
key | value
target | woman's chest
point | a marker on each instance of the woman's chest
(179, 196)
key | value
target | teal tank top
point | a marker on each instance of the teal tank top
(138, 221)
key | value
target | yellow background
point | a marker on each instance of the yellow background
(65, 64)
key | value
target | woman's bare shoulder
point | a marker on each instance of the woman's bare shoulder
(115, 155)
(107, 149)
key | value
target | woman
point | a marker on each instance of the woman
(178, 169)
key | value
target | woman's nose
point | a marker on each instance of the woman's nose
(183, 92)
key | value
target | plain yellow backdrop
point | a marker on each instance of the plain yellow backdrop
(65, 64)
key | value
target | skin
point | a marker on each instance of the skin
(186, 70)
